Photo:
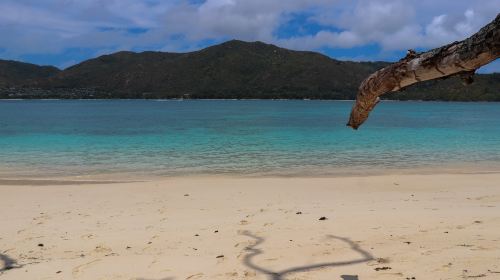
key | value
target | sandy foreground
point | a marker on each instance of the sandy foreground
(383, 227)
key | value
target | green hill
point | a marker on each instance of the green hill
(14, 73)
(234, 69)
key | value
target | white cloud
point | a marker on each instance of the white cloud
(51, 26)
(344, 39)
(242, 19)
(399, 25)
(373, 17)
(445, 28)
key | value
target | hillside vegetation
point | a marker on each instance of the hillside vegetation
(234, 69)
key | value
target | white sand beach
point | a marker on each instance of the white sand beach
(380, 227)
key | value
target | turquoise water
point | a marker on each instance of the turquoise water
(255, 137)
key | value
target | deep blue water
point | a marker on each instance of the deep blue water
(242, 137)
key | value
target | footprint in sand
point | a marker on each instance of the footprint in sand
(154, 262)
(40, 220)
(78, 270)
(249, 274)
(162, 210)
(101, 249)
(195, 276)
(87, 236)
(242, 244)
(379, 261)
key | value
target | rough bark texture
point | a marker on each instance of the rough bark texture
(458, 58)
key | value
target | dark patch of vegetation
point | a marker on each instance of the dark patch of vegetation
(233, 70)
(484, 88)
(14, 73)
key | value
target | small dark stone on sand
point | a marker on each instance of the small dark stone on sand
(323, 218)
(219, 256)
(40, 244)
(382, 268)
(298, 213)
(216, 231)
(196, 235)
(128, 247)
(186, 195)
(150, 242)
(407, 242)
(58, 271)
(445, 232)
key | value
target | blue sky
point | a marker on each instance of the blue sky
(65, 32)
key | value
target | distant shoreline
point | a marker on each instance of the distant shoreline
(243, 99)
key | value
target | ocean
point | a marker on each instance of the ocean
(243, 137)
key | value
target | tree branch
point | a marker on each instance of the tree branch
(458, 58)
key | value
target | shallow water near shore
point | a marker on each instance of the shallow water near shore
(243, 137)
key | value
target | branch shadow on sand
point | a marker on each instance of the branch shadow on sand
(8, 263)
(249, 261)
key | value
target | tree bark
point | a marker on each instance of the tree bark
(458, 58)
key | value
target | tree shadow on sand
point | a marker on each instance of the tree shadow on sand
(349, 277)
(8, 263)
(249, 261)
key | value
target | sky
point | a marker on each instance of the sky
(66, 32)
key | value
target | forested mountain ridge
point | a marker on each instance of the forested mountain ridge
(234, 69)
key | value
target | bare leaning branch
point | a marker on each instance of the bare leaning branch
(459, 58)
